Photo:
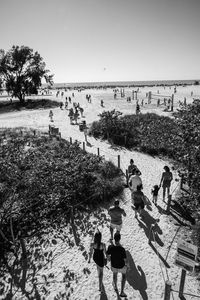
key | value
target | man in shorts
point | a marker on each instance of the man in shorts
(117, 255)
(116, 214)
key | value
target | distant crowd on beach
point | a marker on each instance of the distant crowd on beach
(115, 253)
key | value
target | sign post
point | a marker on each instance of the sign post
(185, 258)
(182, 283)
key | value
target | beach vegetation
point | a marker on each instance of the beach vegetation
(21, 71)
(176, 138)
(8, 106)
(43, 181)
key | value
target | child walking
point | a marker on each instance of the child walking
(154, 192)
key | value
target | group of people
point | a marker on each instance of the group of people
(115, 253)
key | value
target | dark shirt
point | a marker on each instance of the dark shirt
(155, 191)
(116, 215)
(118, 254)
(138, 197)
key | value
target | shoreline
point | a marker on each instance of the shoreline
(123, 84)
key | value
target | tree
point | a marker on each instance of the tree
(22, 70)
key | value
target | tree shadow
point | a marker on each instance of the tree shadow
(136, 277)
(146, 224)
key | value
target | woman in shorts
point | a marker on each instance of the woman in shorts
(98, 250)
(166, 179)
(138, 200)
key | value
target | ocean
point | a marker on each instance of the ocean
(125, 83)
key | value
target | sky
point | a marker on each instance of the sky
(107, 40)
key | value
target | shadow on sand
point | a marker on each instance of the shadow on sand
(103, 295)
(146, 224)
(136, 277)
(152, 231)
(148, 204)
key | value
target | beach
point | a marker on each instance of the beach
(151, 264)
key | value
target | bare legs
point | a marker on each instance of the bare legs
(122, 294)
(123, 285)
(164, 191)
(111, 233)
(100, 275)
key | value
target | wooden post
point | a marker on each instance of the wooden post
(149, 98)
(72, 214)
(133, 94)
(181, 185)
(172, 105)
(83, 146)
(119, 161)
(98, 153)
(182, 283)
(70, 139)
(125, 139)
(24, 264)
(127, 178)
(169, 203)
(167, 290)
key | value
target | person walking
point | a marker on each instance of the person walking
(166, 180)
(154, 192)
(116, 214)
(132, 168)
(138, 201)
(98, 251)
(134, 180)
(117, 256)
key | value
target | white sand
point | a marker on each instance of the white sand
(148, 273)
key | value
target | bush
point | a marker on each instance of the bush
(149, 133)
(7, 106)
(40, 179)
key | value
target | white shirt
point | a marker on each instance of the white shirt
(134, 181)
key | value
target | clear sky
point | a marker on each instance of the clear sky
(107, 40)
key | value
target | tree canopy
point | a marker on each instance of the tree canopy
(22, 70)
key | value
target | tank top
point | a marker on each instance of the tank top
(98, 257)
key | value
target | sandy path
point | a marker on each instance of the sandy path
(148, 273)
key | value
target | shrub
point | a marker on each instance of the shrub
(39, 182)
(6, 106)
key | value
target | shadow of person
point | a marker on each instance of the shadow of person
(161, 210)
(103, 295)
(148, 204)
(146, 224)
(88, 144)
(136, 277)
